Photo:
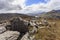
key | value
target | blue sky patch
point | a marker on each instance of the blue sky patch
(30, 2)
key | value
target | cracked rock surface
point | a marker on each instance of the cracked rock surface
(9, 35)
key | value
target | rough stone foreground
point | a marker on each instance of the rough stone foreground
(28, 37)
(9, 35)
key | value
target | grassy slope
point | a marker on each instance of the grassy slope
(52, 33)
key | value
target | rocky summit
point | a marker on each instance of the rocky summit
(23, 27)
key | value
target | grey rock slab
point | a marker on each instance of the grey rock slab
(9, 35)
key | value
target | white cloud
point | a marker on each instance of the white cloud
(55, 4)
(19, 2)
(50, 5)
(15, 5)
(7, 5)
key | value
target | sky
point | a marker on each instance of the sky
(28, 6)
(30, 2)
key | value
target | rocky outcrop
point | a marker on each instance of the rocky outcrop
(18, 25)
(9, 35)
(27, 36)
(2, 29)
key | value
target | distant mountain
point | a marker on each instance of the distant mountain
(55, 14)
(35, 13)
(8, 16)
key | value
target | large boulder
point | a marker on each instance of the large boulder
(18, 25)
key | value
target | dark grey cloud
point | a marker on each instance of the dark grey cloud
(6, 5)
